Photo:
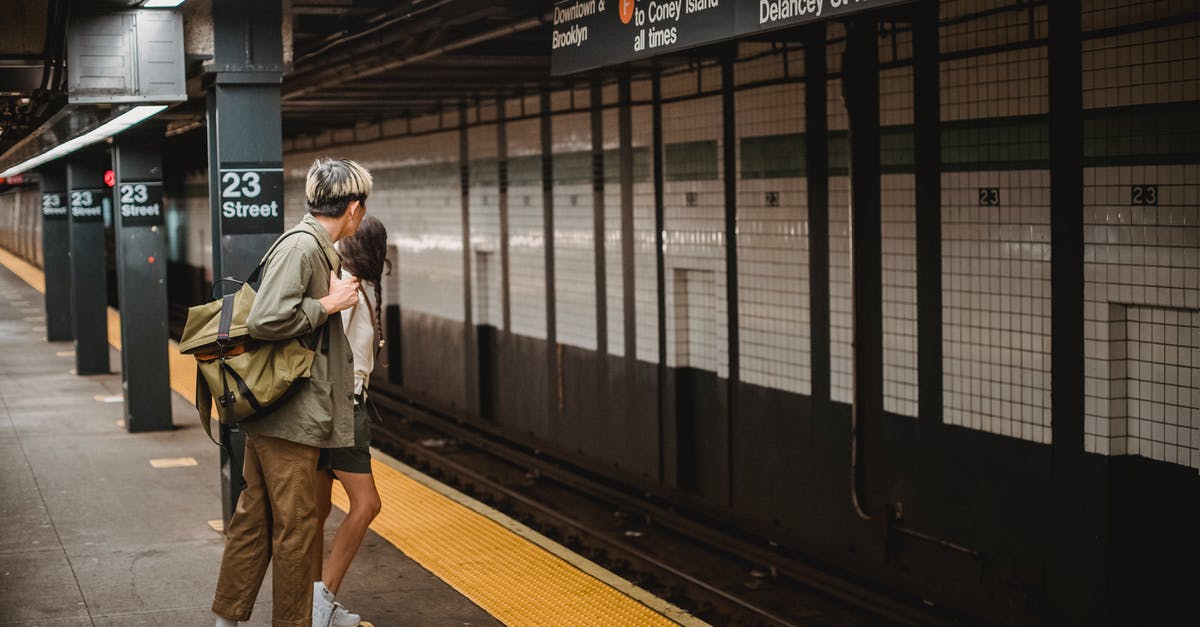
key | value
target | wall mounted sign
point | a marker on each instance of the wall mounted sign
(251, 199)
(54, 206)
(588, 34)
(86, 204)
(140, 204)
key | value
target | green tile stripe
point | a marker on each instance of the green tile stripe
(690, 161)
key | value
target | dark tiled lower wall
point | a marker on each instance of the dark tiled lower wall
(783, 472)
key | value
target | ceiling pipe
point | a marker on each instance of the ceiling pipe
(373, 69)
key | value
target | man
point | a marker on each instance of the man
(300, 295)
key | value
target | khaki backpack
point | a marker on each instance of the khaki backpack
(249, 377)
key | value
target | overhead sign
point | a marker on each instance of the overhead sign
(54, 206)
(86, 205)
(140, 204)
(588, 34)
(251, 200)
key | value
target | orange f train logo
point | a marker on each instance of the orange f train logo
(626, 11)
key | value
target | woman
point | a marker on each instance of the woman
(364, 256)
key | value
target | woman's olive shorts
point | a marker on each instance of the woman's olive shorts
(355, 458)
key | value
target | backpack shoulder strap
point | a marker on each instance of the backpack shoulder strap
(257, 273)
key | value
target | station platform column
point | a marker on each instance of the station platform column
(141, 248)
(245, 162)
(56, 258)
(89, 281)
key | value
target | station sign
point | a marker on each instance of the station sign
(54, 206)
(87, 204)
(588, 34)
(251, 199)
(140, 204)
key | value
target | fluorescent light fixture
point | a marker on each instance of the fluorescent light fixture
(161, 4)
(130, 118)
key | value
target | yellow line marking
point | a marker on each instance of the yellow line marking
(101, 398)
(32, 318)
(217, 525)
(121, 423)
(65, 354)
(23, 269)
(506, 574)
(38, 328)
(578, 561)
(173, 462)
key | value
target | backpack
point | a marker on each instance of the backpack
(251, 378)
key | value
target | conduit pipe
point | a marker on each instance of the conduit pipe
(371, 70)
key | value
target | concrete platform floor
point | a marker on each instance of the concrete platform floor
(92, 534)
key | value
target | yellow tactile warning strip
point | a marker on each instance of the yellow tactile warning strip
(510, 571)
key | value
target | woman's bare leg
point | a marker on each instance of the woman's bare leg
(364, 507)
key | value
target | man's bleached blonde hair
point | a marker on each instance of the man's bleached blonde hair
(333, 183)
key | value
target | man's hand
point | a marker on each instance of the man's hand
(343, 294)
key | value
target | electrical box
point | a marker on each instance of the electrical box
(126, 57)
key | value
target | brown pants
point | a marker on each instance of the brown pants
(275, 519)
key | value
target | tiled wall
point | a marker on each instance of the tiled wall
(694, 225)
(645, 247)
(1142, 233)
(574, 230)
(614, 278)
(484, 202)
(21, 223)
(526, 238)
(841, 273)
(1142, 271)
(898, 213)
(995, 229)
(773, 296)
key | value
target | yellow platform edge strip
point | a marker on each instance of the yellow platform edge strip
(463, 542)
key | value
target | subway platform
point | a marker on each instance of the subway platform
(99, 526)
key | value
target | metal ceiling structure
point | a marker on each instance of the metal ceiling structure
(349, 62)
(358, 61)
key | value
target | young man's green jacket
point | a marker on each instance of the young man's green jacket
(321, 411)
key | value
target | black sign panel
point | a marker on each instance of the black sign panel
(86, 205)
(251, 200)
(140, 204)
(588, 34)
(54, 206)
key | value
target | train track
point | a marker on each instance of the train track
(715, 573)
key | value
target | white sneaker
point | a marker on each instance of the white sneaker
(225, 622)
(322, 611)
(342, 617)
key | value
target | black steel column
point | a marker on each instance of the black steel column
(502, 201)
(660, 288)
(599, 228)
(56, 257)
(729, 172)
(89, 284)
(928, 182)
(861, 90)
(553, 356)
(628, 277)
(138, 216)
(470, 356)
(245, 160)
(816, 160)
(1079, 565)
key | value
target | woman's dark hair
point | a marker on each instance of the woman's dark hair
(364, 254)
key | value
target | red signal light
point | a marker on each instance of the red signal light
(110, 178)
